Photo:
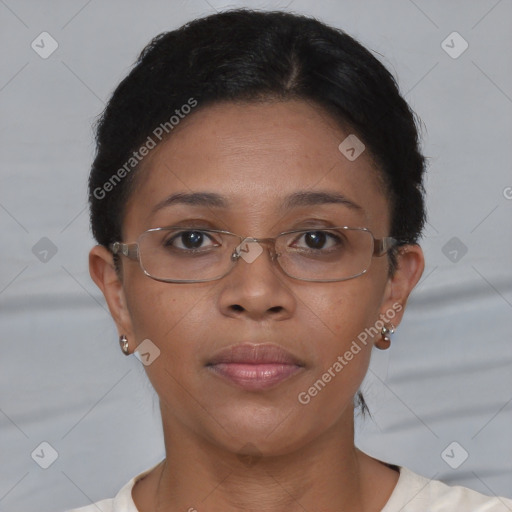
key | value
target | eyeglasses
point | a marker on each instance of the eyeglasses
(179, 254)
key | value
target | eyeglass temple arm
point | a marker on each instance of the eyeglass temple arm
(129, 250)
(383, 245)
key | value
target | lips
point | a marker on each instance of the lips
(255, 367)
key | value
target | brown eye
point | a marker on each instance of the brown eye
(317, 240)
(189, 240)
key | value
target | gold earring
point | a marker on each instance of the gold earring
(125, 347)
(385, 341)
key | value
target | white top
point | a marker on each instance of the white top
(412, 493)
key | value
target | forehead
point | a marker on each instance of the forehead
(256, 155)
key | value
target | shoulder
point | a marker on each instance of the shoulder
(416, 493)
(122, 502)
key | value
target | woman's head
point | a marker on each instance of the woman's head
(260, 110)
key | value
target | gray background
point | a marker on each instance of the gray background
(63, 380)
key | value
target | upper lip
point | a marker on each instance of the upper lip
(251, 353)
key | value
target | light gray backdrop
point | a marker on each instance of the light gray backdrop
(63, 380)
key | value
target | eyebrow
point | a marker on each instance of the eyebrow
(310, 198)
(295, 200)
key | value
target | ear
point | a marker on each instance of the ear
(103, 273)
(410, 266)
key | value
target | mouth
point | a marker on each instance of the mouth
(255, 367)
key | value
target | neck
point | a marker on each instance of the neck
(329, 473)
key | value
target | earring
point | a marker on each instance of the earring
(385, 341)
(125, 347)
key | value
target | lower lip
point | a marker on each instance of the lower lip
(255, 377)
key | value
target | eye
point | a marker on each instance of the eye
(190, 240)
(317, 240)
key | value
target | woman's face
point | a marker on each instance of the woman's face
(256, 156)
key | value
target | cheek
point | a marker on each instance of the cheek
(163, 312)
(335, 323)
(341, 340)
(345, 309)
(178, 319)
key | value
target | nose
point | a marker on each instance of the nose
(255, 287)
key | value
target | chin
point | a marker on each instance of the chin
(263, 430)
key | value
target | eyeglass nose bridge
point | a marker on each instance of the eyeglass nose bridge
(242, 250)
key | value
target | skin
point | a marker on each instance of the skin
(304, 455)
